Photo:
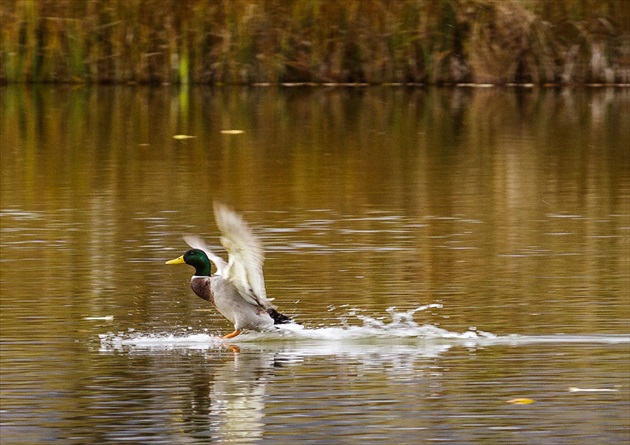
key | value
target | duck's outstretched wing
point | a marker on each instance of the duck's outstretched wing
(246, 256)
(197, 243)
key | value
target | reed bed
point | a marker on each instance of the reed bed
(315, 41)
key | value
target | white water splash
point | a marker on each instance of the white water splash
(400, 329)
(401, 325)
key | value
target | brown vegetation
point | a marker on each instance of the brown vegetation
(320, 41)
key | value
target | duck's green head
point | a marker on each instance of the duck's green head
(197, 259)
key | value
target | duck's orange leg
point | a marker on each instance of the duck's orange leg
(231, 335)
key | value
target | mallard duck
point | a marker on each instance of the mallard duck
(237, 288)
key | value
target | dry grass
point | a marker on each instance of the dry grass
(372, 41)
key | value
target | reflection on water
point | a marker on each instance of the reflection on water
(446, 251)
(227, 403)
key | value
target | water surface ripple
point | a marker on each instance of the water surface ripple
(458, 260)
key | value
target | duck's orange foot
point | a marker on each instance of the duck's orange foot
(231, 335)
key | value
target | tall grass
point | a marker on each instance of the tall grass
(372, 41)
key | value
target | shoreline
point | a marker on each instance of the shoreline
(316, 42)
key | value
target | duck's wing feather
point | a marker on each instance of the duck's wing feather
(197, 243)
(246, 256)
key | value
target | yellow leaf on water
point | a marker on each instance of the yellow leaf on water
(182, 137)
(105, 318)
(232, 132)
(520, 401)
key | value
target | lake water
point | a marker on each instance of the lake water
(458, 258)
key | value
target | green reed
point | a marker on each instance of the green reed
(320, 41)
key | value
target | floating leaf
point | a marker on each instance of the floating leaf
(183, 137)
(106, 318)
(520, 401)
(232, 132)
(574, 389)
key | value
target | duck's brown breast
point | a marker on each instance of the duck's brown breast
(202, 287)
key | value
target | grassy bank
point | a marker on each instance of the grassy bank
(372, 41)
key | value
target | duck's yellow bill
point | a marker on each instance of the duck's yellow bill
(179, 260)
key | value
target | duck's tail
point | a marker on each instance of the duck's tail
(278, 318)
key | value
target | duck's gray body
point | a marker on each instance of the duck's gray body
(229, 302)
